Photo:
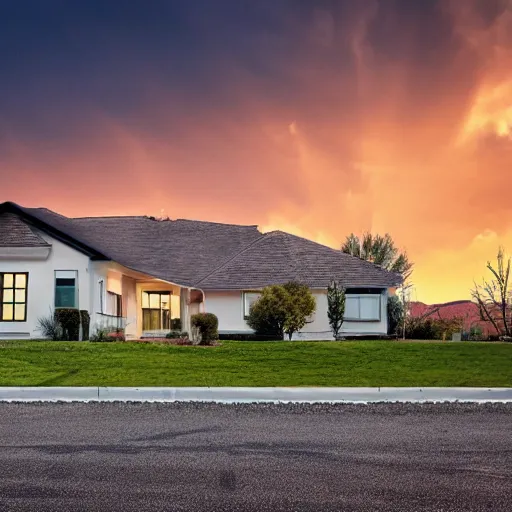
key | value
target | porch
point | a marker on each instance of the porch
(144, 306)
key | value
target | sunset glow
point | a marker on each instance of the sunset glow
(320, 121)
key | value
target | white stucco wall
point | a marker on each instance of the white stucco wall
(320, 329)
(228, 306)
(41, 286)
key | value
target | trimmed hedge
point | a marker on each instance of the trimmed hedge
(69, 319)
(208, 326)
(86, 322)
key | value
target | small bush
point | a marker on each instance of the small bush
(176, 335)
(431, 328)
(50, 328)
(102, 335)
(208, 326)
(69, 319)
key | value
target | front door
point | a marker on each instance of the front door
(156, 313)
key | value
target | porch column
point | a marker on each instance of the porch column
(184, 309)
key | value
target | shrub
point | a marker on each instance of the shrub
(86, 322)
(176, 335)
(302, 305)
(395, 312)
(175, 324)
(282, 309)
(102, 335)
(431, 328)
(335, 307)
(208, 326)
(69, 319)
(50, 327)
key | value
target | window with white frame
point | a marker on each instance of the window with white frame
(363, 308)
(66, 289)
(249, 298)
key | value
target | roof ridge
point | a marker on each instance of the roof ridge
(229, 260)
(109, 217)
(220, 223)
(98, 217)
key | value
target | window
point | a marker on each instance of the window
(156, 311)
(13, 297)
(66, 289)
(114, 304)
(365, 308)
(249, 299)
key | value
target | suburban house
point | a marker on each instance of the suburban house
(148, 275)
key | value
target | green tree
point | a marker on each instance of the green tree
(380, 250)
(395, 314)
(302, 305)
(335, 307)
(282, 309)
(268, 314)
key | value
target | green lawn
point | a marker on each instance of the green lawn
(360, 363)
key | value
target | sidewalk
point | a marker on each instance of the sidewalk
(252, 395)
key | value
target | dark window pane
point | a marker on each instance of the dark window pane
(166, 320)
(65, 297)
(64, 281)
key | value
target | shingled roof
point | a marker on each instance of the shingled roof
(16, 233)
(279, 257)
(206, 255)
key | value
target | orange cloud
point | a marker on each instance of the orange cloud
(372, 127)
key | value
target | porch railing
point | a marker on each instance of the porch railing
(105, 321)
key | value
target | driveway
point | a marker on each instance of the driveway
(103, 457)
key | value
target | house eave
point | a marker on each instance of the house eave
(55, 233)
(25, 253)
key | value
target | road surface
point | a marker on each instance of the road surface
(102, 457)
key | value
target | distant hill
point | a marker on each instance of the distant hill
(464, 309)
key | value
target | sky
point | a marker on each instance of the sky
(320, 118)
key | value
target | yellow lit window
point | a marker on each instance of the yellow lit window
(13, 296)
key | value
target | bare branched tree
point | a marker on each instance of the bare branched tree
(494, 297)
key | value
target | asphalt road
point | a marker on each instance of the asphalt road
(396, 458)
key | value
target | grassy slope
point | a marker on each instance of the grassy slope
(362, 363)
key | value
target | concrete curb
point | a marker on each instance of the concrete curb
(254, 395)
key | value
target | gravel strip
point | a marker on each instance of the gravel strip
(398, 408)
